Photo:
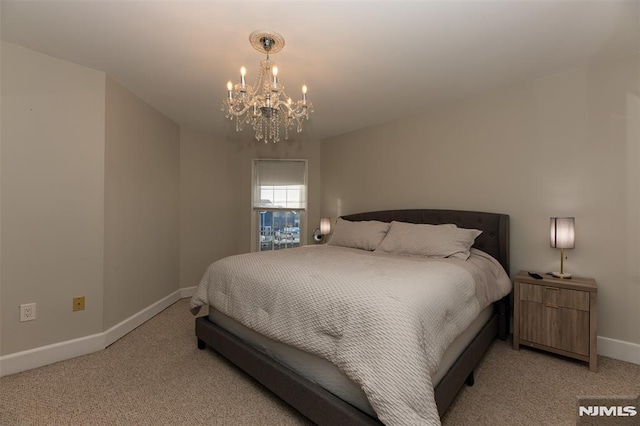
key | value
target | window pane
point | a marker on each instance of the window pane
(279, 229)
(280, 196)
(293, 196)
(289, 196)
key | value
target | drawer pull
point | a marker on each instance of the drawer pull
(552, 288)
(551, 305)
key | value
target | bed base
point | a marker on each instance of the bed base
(321, 406)
(324, 408)
(310, 399)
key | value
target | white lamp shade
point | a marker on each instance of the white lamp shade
(325, 226)
(563, 232)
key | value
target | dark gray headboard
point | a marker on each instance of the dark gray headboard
(494, 239)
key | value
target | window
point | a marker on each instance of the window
(279, 204)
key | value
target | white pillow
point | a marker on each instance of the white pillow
(365, 235)
(412, 239)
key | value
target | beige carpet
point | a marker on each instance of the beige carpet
(156, 376)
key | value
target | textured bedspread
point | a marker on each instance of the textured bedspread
(384, 320)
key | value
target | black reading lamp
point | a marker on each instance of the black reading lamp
(325, 228)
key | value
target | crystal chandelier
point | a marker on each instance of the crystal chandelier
(265, 105)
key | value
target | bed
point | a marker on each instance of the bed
(243, 347)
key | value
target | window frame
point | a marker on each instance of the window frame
(255, 211)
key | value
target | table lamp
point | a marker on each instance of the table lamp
(563, 236)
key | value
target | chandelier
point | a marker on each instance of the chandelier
(265, 105)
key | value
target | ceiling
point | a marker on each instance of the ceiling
(365, 62)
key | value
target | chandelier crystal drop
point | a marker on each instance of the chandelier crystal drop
(265, 105)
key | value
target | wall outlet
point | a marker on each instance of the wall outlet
(78, 303)
(27, 312)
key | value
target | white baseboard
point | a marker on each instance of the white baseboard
(187, 292)
(619, 349)
(134, 321)
(45, 355)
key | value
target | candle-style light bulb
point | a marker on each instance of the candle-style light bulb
(304, 94)
(274, 70)
(229, 89)
(243, 72)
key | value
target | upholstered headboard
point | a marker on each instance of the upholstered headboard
(494, 239)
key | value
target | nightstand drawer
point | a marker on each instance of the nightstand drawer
(555, 297)
(556, 327)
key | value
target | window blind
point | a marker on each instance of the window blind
(280, 184)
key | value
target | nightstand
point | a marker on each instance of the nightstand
(557, 315)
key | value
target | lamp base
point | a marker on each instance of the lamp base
(563, 276)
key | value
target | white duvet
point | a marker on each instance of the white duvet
(384, 320)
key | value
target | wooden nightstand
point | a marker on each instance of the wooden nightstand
(557, 315)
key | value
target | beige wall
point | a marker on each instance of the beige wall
(562, 145)
(52, 198)
(142, 183)
(208, 203)
(90, 201)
